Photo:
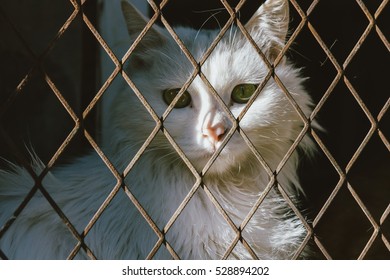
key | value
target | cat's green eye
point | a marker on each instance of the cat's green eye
(243, 92)
(170, 94)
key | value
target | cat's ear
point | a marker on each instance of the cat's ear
(269, 26)
(135, 23)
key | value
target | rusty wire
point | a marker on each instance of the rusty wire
(39, 177)
(159, 126)
(374, 125)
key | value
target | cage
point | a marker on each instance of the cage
(59, 64)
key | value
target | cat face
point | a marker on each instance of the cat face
(199, 122)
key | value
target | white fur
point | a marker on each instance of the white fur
(160, 180)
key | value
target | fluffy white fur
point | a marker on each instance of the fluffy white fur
(160, 180)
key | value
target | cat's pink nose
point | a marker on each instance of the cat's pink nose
(214, 133)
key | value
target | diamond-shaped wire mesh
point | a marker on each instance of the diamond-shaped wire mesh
(304, 21)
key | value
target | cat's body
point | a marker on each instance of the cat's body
(160, 180)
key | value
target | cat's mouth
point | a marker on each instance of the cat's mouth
(219, 160)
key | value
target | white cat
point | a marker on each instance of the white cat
(160, 180)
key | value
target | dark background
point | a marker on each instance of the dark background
(36, 117)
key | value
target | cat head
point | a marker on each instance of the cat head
(201, 121)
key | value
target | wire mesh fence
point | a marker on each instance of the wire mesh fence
(322, 230)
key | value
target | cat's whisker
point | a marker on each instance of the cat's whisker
(170, 58)
(234, 35)
(172, 154)
(213, 15)
(209, 10)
